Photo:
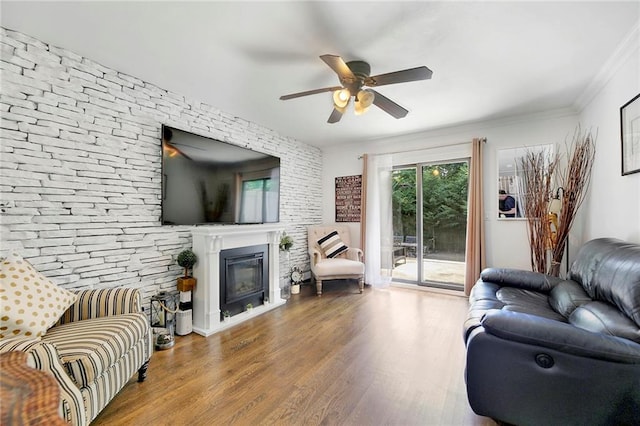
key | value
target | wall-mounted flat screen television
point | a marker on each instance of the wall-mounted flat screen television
(207, 181)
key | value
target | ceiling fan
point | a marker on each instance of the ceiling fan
(354, 76)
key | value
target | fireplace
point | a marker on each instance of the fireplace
(244, 277)
(209, 244)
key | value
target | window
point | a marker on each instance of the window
(429, 223)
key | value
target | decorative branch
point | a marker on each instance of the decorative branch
(575, 182)
(538, 169)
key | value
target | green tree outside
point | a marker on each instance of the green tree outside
(445, 189)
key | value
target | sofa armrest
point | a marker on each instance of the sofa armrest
(316, 256)
(538, 331)
(354, 253)
(527, 280)
(103, 302)
(44, 357)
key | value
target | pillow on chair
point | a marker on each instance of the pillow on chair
(332, 245)
(31, 302)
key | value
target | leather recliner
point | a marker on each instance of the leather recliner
(545, 350)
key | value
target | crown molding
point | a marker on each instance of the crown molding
(629, 45)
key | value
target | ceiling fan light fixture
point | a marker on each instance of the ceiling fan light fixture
(341, 98)
(342, 109)
(358, 109)
(364, 100)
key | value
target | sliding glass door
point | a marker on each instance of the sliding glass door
(429, 223)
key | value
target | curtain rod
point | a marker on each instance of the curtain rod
(422, 149)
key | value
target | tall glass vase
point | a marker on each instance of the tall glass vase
(285, 287)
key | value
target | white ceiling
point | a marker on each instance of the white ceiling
(489, 59)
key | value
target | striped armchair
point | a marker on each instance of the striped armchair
(93, 350)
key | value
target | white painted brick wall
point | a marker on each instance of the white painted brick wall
(80, 169)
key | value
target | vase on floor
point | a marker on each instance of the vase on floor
(285, 291)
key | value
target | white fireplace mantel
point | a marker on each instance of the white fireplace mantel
(208, 241)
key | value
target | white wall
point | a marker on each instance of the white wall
(80, 169)
(613, 204)
(507, 242)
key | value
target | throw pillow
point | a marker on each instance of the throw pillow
(29, 302)
(332, 245)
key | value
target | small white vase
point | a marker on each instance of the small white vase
(295, 288)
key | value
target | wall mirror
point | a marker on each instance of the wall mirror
(511, 180)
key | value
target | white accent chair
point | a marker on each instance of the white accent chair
(348, 265)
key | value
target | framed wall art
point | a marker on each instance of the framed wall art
(630, 135)
(348, 198)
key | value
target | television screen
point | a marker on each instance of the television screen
(206, 181)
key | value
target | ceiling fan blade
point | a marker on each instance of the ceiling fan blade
(412, 74)
(335, 116)
(339, 66)
(310, 92)
(388, 106)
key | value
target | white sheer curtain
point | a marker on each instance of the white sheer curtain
(378, 231)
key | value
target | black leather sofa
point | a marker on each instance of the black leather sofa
(547, 351)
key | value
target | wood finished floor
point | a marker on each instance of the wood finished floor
(385, 357)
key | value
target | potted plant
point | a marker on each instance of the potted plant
(286, 242)
(226, 316)
(187, 259)
(249, 307)
(296, 279)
